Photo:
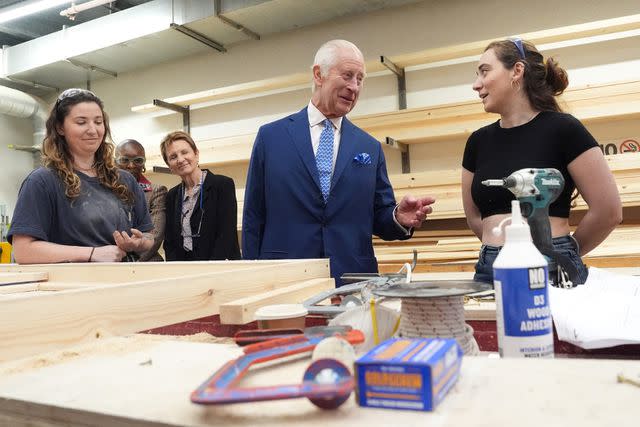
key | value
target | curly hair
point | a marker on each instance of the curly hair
(56, 154)
(543, 80)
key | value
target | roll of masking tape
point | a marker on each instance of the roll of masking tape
(335, 348)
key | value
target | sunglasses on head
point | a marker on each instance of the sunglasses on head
(123, 160)
(70, 93)
(518, 42)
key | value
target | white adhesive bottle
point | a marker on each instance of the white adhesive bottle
(521, 281)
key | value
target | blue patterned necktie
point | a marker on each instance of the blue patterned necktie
(324, 158)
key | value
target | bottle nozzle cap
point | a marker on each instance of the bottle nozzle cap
(518, 230)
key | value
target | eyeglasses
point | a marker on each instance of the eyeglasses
(197, 234)
(519, 46)
(184, 214)
(124, 161)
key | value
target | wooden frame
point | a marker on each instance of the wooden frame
(84, 302)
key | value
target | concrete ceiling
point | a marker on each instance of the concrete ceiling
(135, 34)
(49, 20)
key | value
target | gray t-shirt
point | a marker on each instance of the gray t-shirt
(44, 212)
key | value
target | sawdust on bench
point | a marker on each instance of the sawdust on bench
(102, 346)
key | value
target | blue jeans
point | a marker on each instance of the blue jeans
(566, 245)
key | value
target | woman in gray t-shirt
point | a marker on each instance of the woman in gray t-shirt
(79, 207)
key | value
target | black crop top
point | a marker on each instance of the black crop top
(549, 140)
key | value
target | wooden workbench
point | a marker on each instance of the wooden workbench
(146, 381)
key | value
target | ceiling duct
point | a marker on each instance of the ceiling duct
(18, 104)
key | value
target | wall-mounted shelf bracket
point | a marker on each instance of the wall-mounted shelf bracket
(402, 83)
(185, 111)
(404, 152)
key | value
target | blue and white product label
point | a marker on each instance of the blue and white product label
(523, 313)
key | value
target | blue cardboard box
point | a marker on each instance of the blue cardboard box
(408, 373)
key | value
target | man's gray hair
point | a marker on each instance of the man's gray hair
(327, 56)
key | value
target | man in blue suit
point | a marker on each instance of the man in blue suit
(317, 185)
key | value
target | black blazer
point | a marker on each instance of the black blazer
(218, 236)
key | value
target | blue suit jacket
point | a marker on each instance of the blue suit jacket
(284, 212)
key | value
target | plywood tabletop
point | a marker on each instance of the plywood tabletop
(146, 381)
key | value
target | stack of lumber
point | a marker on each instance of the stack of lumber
(620, 249)
(447, 248)
(444, 185)
(49, 306)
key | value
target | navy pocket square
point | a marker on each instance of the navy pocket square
(362, 159)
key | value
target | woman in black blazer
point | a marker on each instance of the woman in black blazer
(202, 210)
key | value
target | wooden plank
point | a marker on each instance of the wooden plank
(127, 272)
(440, 267)
(14, 289)
(264, 86)
(43, 322)
(241, 311)
(553, 35)
(63, 391)
(10, 278)
(63, 286)
(479, 310)
(612, 261)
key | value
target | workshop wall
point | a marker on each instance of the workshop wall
(387, 32)
(15, 165)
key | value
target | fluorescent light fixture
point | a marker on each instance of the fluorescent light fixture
(28, 8)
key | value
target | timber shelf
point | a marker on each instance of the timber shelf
(418, 125)
(590, 104)
(553, 38)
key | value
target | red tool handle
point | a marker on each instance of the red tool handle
(252, 348)
(243, 338)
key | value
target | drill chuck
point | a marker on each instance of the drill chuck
(508, 182)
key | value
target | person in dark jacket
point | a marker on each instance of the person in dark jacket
(202, 210)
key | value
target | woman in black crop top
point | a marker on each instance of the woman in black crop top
(516, 82)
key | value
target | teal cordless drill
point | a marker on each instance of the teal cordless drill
(536, 189)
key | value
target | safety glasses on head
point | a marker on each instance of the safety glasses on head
(70, 93)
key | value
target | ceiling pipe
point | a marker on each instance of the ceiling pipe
(19, 104)
(72, 11)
